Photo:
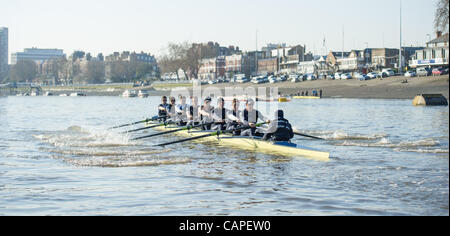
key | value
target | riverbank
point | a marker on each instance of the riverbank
(386, 88)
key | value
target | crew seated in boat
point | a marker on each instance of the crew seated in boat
(250, 117)
(180, 111)
(234, 117)
(205, 113)
(219, 115)
(279, 129)
(163, 109)
(192, 114)
(171, 114)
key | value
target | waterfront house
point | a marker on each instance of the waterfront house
(436, 53)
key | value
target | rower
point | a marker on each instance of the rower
(279, 129)
(171, 112)
(180, 111)
(205, 113)
(250, 118)
(163, 109)
(192, 114)
(219, 115)
(234, 117)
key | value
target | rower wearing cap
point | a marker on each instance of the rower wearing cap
(219, 115)
(205, 113)
(250, 117)
(279, 129)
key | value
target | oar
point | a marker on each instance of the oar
(138, 122)
(309, 136)
(217, 133)
(172, 131)
(144, 128)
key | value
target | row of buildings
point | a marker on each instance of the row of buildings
(282, 59)
(216, 61)
(272, 58)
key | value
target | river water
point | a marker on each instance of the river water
(58, 158)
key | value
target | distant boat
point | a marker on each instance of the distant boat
(34, 93)
(306, 97)
(48, 94)
(143, 94)
(129, 94)
(77, 94)
(63, 95)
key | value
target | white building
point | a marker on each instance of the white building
(435, 54)
(37, 55)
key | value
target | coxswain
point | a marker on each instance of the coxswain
(279, 129)
(250, 117)
(205, 113)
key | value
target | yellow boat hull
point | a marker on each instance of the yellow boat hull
(305, 97)
(253, 144)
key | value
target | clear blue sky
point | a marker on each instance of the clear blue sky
(148, 25)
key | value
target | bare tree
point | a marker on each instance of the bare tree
(441, 16)
(182, 55)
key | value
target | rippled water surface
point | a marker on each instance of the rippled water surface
(58, 158)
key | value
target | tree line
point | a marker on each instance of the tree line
(81, 68)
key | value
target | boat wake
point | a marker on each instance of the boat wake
(85, 146)
(124, 162)
(428, 145)
(341, 135)
(384, 142)
(380, 140)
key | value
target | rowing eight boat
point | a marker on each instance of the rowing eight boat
(251, 143)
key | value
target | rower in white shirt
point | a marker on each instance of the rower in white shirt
(205, 113)
(181, 110)
(219, 115)
(234, 117)
(192, 114)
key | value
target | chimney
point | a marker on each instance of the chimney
(438, 34)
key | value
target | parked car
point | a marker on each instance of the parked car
(346, 76)
(423, 71)
(438, 71)
(337, 76)
(212, 82)
(310, 77)
(242, 80)
(360, 77)
(372, 75)
(388, 72)
(410, 73)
